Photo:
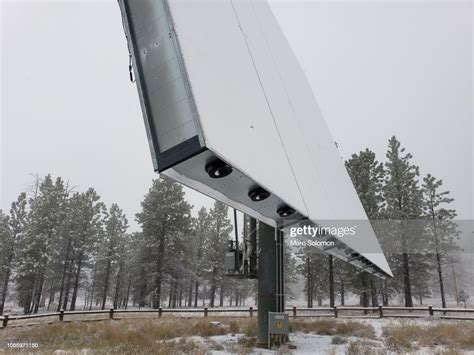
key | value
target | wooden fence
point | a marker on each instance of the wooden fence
(335, 312)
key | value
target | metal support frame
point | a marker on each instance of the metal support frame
(237, 254)
(252, 244)
(271, 285)
(266, 280)
(280, 279)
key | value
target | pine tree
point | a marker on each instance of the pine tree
(87, 236)
(343, 274)
(215, 247)
(37, 247)
(290, 273)
(202, 230)
(12, 229)
(441, 229)
(141, 269)
(404, 202)
(316, 282)
(367, 175)
(78, 238)
(164, 214)
(5, 257)
(115, 237)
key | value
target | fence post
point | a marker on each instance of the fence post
(160, 312)
(380, 311)
(294, 311)
(61, 315)
(111, 313)
(251, 312)
(5, 320)
(205, 311)
(335, 312)
(430, 310)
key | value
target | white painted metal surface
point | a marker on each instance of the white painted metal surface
(256, 111)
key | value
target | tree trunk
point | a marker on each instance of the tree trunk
(190, 293)
(407, 281)
(170, 296)
(39, 291)
(66, 291)
(180, 294)
(159, 276)
(440, 276)
(44, 296)
(204, 295)
(86, 300)
(63, 276)
(384, 292)
(128, 290)
(93, 286)
(373, 292)
(52, 293)
(196, 293)
(221, 296)
(309, 283)
(118, 285)
(76, 284)
(142, 289)
(175, 294)
(106, 284)
(213, 288)
(331, 281)
(5, 289)
(27, 299)
(364, 296)
(342, 292)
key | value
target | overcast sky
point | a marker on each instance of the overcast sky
(377, 68)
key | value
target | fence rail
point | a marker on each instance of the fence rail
(336, 312)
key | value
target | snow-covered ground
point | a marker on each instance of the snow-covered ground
(310, 343)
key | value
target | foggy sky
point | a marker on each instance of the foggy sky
(377, 69)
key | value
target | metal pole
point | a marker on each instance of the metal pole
(280, 281)
(237, 259)
(266, 279)
(252, 236)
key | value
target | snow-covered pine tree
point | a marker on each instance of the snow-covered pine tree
(367, 175)
(164, 215)
(12, 230)
(5, 262)
(215, 245)
(201, 232)
(111, 249)
(80, 235)
(441, 228)
(314, 268)
(403, 199)
(37, 250)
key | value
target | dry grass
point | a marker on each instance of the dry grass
(333, 327)
(157, 336)
(407, 336)
(363, 348)
(174, 335)
(248, 342)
